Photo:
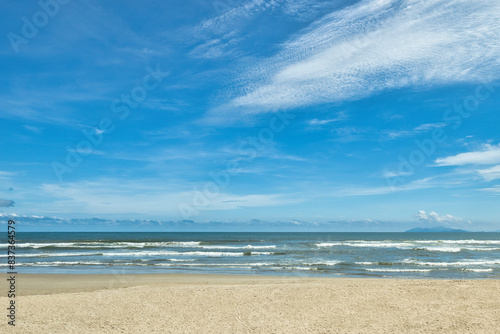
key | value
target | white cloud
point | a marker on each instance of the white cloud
(419, 129)
(488, 155)
(315, 121)
(433, 217)
(86, 151)
(341, 116)
(388, 174)
(490, 174)
(374, 46)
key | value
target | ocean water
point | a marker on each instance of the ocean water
(398, 255)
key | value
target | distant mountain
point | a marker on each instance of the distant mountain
(435, 229)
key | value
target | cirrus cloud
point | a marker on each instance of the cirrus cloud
(374, 46)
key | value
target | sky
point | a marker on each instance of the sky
(370, 115)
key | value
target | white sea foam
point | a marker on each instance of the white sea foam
(440, 249)
(188, 253)
(249, 265)
(476, 270)
(374, 244)
(53, 254)
(450, 246)
(237, 247)
(380, 244)
(470, 241)
(454, 264)
(183, 263)
(56, 263)
(321, 263)
(98, 244)
(329, 244)
(482, 249)
(399, 270)
(182, 243)
(169, 253)
(40, 245)
(111, 245)
(142, 253)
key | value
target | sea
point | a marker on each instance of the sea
(392, 255)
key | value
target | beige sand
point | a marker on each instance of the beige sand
(249, 304)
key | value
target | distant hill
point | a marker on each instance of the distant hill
(435, 229)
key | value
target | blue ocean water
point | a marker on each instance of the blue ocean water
(408, 255)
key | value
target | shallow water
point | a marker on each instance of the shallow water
(403, 255)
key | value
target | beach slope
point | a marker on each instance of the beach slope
(171, 303)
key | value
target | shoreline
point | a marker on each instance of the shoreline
(36, 284)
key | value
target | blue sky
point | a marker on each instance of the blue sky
(278, 115)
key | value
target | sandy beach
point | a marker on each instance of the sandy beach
(175, 303)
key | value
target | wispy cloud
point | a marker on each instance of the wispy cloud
(225, 33)
(304, 10)
(236, 17)
(415, 131)
(33, 129)
(144, 197)
(341, 116)
(218, 36)
(7, 174)
(390, 174)
(490, 174)
(369, 191)
(487, 155)
(373, 46)
(86, 151)
(494, 190)
(217, 47)
(43, 105)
